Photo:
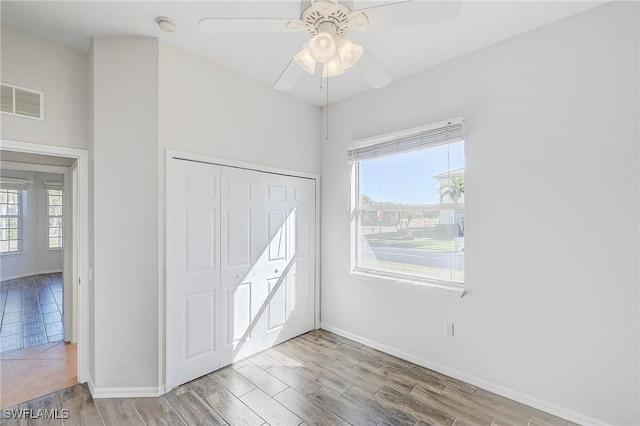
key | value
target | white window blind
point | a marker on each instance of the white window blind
(15, 184)
(53, 185)
(417, 138)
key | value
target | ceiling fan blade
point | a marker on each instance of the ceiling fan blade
(289, 76)
(245, 25)
(411, 13)
(374, 73)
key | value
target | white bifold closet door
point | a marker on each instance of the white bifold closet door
(195, 266)
(243, 264)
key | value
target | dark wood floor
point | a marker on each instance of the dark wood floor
(318, 378)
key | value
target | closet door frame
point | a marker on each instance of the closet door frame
(165, 320)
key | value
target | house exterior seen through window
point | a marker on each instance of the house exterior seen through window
(54, 211)
(408, 222)
(10, 220)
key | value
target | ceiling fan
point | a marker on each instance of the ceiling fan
(327, 23)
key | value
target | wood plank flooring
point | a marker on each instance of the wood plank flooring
(318, 378)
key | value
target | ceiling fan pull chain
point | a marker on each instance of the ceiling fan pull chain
(327, 135)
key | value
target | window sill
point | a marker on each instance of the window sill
(445, 289)
(13, 253)
(55, 249)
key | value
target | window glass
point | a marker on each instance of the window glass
(54, 207)
(410, 221)
(10, 220)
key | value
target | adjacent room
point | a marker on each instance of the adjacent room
(320, 212)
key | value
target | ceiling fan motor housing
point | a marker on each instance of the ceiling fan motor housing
(326, 16)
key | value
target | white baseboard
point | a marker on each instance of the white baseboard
(478, 382)
(92, 387)
(28, 274)
(149, 392)
(98, 393)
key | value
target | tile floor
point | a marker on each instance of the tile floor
(31, 312)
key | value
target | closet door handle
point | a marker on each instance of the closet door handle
(276, 271)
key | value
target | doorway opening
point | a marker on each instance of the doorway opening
(43, 240)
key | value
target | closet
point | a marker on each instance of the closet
(241, 264)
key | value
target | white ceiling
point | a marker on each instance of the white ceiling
(401, 51)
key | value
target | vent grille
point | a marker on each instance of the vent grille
(22, 102)
(6, 99)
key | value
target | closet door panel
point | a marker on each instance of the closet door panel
(276, 263)
(302, 283)
(242, 264)
(240, 205)
(195, 267)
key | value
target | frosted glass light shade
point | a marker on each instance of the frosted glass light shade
(332, 68)
(322, 48)
(349, 52)
(305, 60)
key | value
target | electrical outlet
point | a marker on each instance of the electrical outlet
(448, 329)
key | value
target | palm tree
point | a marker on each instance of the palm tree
(453, 189)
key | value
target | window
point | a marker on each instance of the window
(408, 205)
(54, 211)
(10, 220)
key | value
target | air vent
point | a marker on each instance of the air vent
(6, 99)
(22, 102)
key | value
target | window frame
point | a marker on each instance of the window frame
(54, 187)
(388, 277)
(19, 217)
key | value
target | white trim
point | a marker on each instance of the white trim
(92, 387)
(239, 164)
(165, 325)
(28, 274)
(81, 252)
(399, 280)
(318, 254)
(143, 392)
(548, 407)
(165, 349)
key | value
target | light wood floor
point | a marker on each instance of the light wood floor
(29, 373)
(318, 378)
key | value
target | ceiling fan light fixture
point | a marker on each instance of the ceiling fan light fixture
(322, 48)
(349, 52)
(305, 60)
(332, 68)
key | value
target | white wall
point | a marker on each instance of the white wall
(125, 212)
(60, 72)
(551, 310)
(37, 258)
(207, 109)
(148, 97)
